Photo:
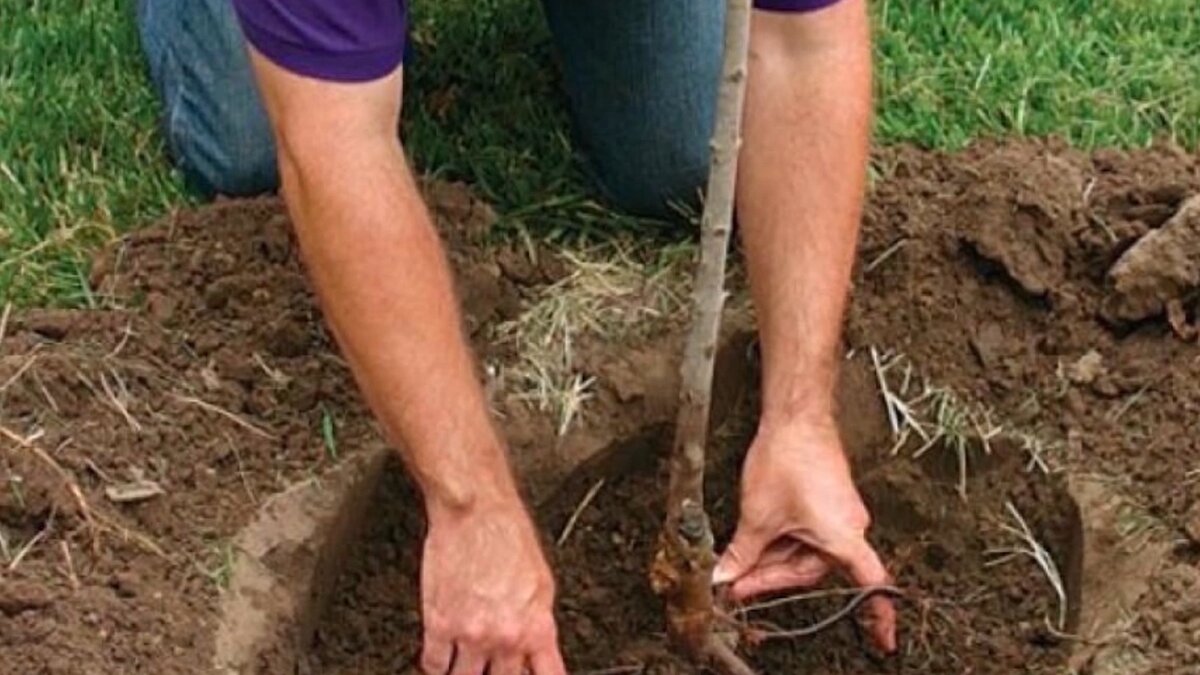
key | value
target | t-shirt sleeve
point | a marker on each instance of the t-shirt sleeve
(793, 5)
(341, 40)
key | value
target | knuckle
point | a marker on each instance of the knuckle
(475, 632)
(507, 635)
(538, 633)
(862, 519)
(432, 664)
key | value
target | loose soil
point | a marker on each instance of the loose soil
(208, 373)
(961, 611)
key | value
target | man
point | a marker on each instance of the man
(641, 76)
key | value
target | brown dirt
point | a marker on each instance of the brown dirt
(961, 611)
(1111, 399)
(996, 282)
(209, 375)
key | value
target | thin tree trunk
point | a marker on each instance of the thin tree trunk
(683, 568)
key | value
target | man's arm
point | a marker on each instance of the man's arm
(800, 193)
(386, 291)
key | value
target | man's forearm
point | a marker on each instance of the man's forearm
(386, 290)
(800, 193)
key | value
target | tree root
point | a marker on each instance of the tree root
(861, 596)
(725, 659)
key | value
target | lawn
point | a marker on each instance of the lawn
(81, 160)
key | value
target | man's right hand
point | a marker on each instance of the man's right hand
(487, 594)
(386, 289)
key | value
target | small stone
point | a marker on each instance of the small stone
(125, 584)
(160, 307)
(17, 597)
(1087, 369)
(134, 491)
(988, 345)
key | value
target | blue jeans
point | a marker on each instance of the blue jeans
(641, 76)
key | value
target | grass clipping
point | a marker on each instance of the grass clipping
(606, 294)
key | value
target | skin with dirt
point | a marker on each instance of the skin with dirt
(219, 385)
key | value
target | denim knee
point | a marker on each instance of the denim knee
(642, 79)
(222, 149)
(214, 121)
(644, 185)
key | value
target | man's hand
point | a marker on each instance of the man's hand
(487, 595)
(801, 516)
(387, 293)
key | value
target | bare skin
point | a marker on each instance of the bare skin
(385, 287)
(800, 192)
(386, 291)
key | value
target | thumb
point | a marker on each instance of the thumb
(742, 554)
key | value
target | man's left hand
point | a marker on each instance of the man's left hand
(801, 517)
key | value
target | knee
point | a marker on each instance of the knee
(656, 181)
(214, 123)
(225, 150)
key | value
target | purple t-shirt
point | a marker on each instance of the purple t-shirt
(359, 40)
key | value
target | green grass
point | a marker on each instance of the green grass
(80, 158)
(1097, 72)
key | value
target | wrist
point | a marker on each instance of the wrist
(799, 378)
(482, 490)
(809, 432)
(470, 478)
(799, 402)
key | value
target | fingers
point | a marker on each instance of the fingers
(863, 565)
(507, 665)
(806, 570)
(436, 655)
(742, 555)
(534, 654)
(469, 661)
(548, 661)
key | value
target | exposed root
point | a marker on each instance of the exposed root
(816, 595)
(936, 415)
(887, 253)
(860, 596)
(725, 659)
(583, 504)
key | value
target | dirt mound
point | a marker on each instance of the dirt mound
(139, 439)
(970, 320)
(1025, 325)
